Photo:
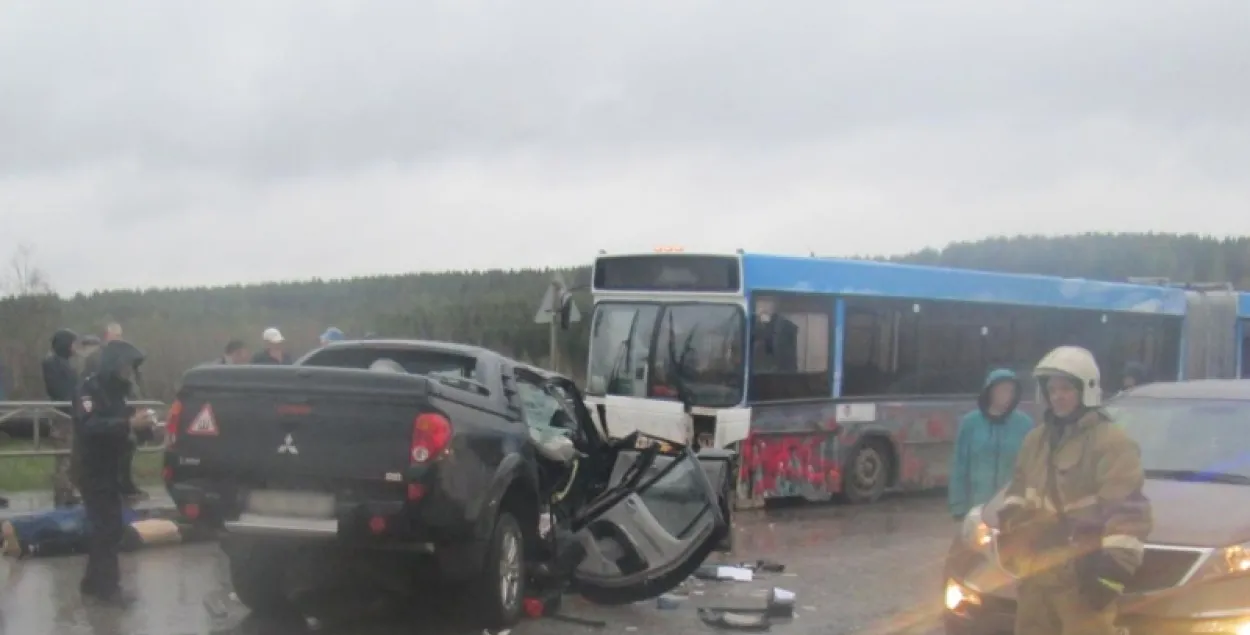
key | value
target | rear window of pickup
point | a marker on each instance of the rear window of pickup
(412, 361)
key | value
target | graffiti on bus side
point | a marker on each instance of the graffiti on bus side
(798, 450)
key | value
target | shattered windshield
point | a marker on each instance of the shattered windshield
(689, 352)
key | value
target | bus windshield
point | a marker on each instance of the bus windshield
(691, 352)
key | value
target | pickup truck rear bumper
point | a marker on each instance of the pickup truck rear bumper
(364, 522)
(262, 525)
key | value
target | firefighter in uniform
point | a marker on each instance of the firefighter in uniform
(1074, 517)
(104, 423)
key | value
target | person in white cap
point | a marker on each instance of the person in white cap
(273, 353)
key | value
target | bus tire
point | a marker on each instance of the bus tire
(868, 471)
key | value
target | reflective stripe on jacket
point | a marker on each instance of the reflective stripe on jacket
(1098, 480)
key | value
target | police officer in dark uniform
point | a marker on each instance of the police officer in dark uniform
(104, 422)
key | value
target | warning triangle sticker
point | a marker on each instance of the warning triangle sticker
(203, 425)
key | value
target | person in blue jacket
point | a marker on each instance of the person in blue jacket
(987, 443)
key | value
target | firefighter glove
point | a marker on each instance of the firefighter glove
(1101, 579)
(1012, 517)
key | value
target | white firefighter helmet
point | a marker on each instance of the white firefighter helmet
(1075, 363)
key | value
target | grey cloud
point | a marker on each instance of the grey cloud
(839, 127)
(281, 89)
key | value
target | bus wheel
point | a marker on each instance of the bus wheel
(867, 473)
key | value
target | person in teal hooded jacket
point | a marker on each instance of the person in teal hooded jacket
(987, 443)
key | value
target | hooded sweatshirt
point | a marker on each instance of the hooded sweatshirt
(60, 380)
(985, 451)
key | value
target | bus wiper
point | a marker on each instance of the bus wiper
(677, 363)
(624, 355)
(1199, 476)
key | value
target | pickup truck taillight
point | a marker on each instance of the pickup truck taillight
(171, 423)
(431, 433)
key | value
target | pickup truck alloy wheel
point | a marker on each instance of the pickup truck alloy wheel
(497, 592)
(510, 569)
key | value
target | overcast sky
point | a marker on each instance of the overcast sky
(232, 141)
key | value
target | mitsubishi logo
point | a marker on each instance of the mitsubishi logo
(288, 446)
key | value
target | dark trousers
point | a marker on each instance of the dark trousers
(104, 517)
(128, 472)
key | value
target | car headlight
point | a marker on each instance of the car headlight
(958, 597)
(1234, 560)
(1220, 625)
(1237, 558)
(976, 534)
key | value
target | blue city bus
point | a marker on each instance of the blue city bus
(836, 377)
(1243, 336)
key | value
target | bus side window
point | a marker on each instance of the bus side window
(1245, 350)
(790, 347)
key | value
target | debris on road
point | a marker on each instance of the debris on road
(780, 603)
(669, 601)
(222, 604)
(549, 608)
(724, 573)
(763, 566)
(735, 620)
(580, 621)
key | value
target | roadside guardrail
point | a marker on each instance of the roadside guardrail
(46, 412)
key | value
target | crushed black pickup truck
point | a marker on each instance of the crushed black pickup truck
(405, 462)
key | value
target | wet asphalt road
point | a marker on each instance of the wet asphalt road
(871, 569)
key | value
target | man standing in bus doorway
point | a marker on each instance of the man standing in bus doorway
(987, 443)
(1074, 516)
(1135, 374)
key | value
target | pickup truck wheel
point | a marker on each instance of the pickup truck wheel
(499, 591)
(257, 574)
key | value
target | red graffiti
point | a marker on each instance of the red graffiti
(911, 469)
(769, 460)
(796, 449)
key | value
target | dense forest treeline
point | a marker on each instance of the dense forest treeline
(182, 327)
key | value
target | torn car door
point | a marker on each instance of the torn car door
(656, 527)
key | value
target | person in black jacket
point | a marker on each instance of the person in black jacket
(104, 423)
(60, 381)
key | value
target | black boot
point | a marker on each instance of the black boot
(113, 597)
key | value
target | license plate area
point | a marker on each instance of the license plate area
(292, 504)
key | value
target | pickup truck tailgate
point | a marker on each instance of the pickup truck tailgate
(296, 426)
